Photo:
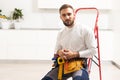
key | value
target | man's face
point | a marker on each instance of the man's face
(67, 16)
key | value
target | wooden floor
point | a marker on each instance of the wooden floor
(35, 70)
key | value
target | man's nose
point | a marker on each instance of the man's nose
(67, 17)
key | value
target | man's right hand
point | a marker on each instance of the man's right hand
(61, 53)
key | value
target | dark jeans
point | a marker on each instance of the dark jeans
(77, 75)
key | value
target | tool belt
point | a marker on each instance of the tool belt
(72, 65)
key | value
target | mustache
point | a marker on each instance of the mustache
(67, 20)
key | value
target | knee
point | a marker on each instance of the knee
(77, 78)
(80, 78)
(47, 78)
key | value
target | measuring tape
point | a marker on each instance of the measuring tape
(60, 62)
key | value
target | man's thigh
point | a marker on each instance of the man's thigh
(52, 74)
(80, 75)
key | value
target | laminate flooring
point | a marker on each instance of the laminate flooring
(35, 70)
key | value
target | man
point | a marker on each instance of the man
(73, 41)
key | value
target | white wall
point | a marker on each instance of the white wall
(116, 28)
(106, 4)
(35, 17)
(44, 18)
(27, 44)
(39, 44)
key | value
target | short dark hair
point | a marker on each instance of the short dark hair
(64, 6)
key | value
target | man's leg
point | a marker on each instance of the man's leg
(81, 75)
(46, 78)
(51, 75)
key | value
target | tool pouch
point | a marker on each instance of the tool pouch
(73, 65)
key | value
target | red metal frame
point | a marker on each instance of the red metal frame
(97, 37)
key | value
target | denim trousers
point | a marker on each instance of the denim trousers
(77, 75)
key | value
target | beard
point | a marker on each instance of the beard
(68, 22)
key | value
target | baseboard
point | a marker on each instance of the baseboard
(25, 61)
(115, 64)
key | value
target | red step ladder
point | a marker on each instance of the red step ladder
(97, 38)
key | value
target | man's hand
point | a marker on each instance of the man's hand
(70, 54)
(67, 54)
(61, 54)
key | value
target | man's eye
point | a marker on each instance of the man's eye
(69, 14)
(64, 15)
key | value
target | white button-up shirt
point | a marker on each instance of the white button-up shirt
(79, 38)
